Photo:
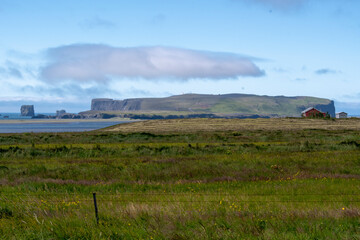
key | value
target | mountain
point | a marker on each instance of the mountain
(221, 105)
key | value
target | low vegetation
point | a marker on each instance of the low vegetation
(224, 125)
(184, 179)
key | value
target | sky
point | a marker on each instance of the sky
(61, 54)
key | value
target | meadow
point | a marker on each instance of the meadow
(184, 179)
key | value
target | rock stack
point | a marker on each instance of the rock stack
(27, 110)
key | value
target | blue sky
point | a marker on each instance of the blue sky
(61, 54)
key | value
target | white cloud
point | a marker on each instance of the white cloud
(324, 71)
(94, 62)
(280, 4)
(11, 70)
(96, 22)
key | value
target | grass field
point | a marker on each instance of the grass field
(184, 179)
(220, 124)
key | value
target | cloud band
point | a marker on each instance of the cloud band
(92, 62)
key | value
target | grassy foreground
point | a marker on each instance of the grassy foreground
(241, 179)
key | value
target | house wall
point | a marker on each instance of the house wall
(341, 115)
(313, 112)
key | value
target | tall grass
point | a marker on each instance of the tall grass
(248, 184)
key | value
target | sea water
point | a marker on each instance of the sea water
(73, 126)
(14, 116)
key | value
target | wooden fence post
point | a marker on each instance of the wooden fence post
(96, 209)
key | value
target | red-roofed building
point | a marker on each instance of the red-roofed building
(312, 112)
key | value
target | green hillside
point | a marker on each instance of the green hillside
(222, 105)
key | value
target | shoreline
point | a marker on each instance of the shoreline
(17, 121)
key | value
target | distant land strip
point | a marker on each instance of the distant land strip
(215, 124)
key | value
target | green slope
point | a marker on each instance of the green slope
(229, 104)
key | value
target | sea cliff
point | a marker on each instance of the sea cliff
(228, 105)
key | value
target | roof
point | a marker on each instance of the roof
(311, 108)
(341, 112)
(308, 109)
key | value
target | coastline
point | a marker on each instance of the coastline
(42, 121)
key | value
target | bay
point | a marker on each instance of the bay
(76, 126)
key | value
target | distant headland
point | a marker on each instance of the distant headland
(200, 105)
